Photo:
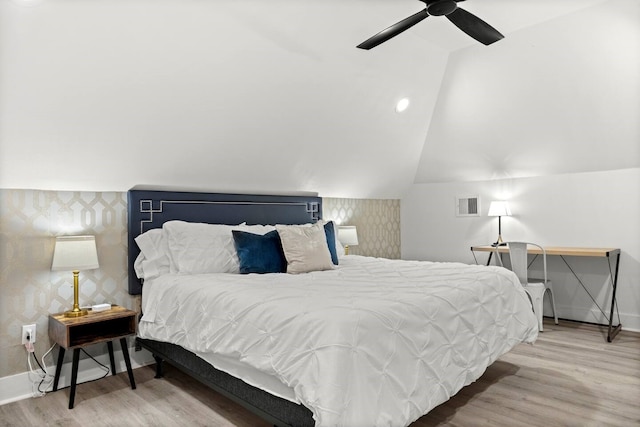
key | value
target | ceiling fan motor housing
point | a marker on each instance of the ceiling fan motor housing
(440, 7)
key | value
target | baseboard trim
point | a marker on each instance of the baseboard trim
(630, 322)
(18, 387)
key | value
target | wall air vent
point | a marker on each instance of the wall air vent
(468, 206)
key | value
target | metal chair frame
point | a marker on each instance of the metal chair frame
(535, 288)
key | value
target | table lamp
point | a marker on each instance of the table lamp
(499, 208)
(348, 236)
(75, 253)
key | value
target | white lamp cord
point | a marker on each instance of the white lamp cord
(38, 377)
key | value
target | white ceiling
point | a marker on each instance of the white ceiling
(562, 96)
(273, 96)
(507, 16)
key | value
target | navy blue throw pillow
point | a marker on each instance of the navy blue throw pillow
(330, 232)
(259, 253)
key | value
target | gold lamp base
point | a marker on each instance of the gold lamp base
(76, 313)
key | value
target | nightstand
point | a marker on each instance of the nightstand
(96, 327)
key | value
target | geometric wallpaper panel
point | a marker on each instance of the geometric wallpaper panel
(377, 222)
(31, 219)
(29, 291)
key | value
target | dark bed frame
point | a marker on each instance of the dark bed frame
(148, 209)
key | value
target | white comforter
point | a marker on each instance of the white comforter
(374, 342)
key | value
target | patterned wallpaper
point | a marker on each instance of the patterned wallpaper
(30, 220)
(377, 222)
(29, 290)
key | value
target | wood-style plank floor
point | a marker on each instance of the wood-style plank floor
(570, 377)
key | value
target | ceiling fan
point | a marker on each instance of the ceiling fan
(467, 22)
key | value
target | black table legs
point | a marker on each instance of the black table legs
(58, 368)
(74, 367)
(111, 358)
(613, 330)
(74, 376)
(127, 361)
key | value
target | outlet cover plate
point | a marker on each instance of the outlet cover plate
(29, 330)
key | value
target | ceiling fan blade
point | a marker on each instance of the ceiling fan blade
(393, 30)
(474, 26)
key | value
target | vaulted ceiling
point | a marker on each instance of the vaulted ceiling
(273, 95)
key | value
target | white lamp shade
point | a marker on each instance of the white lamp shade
(73, 253)
(499, 208)
(348, 235)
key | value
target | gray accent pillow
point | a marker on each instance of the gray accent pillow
(305, 248)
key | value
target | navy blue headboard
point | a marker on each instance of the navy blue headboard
(149, 209)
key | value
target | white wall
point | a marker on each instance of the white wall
(594, 209)
(559, 97)
(251, 95)
(257, 95)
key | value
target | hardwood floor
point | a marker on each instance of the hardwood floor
(570, 377)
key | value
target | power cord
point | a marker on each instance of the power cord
(41, 379)
(106, 370)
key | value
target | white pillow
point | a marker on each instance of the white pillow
(154, 254)
(255, 229)
(305, 248)
(197, 248)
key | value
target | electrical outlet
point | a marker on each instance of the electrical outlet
(28, 333)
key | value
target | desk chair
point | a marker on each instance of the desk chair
(535, 288)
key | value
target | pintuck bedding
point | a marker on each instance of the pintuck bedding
(369, 342)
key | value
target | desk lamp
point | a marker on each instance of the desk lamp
(499, 208)
(348, 236)
(75, 253)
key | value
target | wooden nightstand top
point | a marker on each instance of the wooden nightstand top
(115, 312)
(71, 332)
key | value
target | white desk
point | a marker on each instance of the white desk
(562, 252)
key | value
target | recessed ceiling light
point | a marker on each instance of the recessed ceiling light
(402, 105)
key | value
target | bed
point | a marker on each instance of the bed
(366, 342)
